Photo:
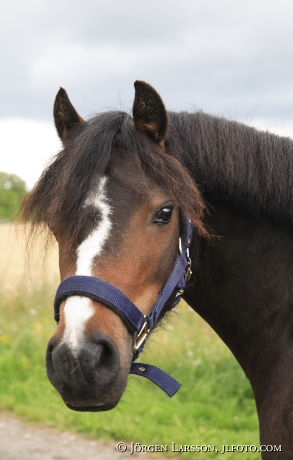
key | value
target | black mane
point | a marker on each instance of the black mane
(236, 164)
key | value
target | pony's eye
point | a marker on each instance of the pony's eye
(163, 216)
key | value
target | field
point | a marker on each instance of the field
(215, 406)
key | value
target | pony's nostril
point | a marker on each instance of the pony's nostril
(99, 360)
(52, 344)
(109, 355)
(49, 354)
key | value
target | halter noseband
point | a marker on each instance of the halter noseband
(141, 325)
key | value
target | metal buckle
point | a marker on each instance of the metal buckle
(180, 250)
(179, 293)
(188, 271)
(141, 336)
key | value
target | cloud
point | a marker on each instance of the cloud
(208, 54)
(225, 57)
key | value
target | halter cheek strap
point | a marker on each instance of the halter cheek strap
(141, 325)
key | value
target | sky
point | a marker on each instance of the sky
(231, 58)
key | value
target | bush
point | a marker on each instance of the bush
(12, 190)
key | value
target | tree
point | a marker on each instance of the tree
(12, 190)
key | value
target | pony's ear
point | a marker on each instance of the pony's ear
(149, 113)
(65, 116)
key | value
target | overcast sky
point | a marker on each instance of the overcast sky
(233, 58)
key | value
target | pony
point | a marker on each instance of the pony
(120, 198)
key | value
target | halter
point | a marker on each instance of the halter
(141, 325)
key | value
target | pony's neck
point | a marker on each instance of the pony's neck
(243, 280)
(243, 289)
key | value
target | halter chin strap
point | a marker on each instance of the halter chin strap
(141, 325)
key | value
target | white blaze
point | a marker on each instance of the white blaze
(78, 310)
(92, 246)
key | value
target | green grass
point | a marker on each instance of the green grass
(215, 405)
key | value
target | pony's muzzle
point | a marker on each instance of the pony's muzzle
(86, 377)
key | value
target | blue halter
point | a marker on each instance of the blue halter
(107, 294)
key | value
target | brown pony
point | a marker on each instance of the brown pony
(114, 197)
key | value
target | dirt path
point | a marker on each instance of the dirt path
(20, 440)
